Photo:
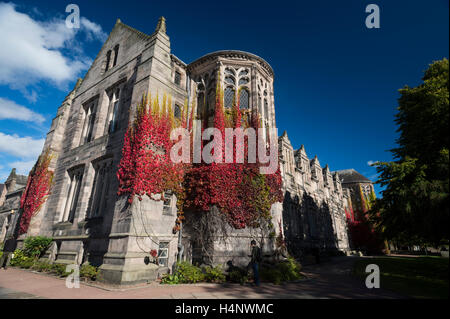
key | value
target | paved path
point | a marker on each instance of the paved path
(328, 280)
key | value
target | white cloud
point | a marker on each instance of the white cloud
(33, 50)
(371, 162)
(23, 167)
(10, 110)
(23, 147)
(93, 30)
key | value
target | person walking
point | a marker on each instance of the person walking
(8, 250)
(255, 260)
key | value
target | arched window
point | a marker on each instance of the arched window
(113, 111)
(266, 109)
(259, 104)
(108, 60)
(116, 54)
(243, 99)
(229, 97)
(200, 104)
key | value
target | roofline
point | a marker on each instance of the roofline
(239, 52)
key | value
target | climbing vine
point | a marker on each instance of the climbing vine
(146, 167)
(37, 190)
(238, 190)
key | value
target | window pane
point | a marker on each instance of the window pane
(177, 78)
(266, 109)
(243, 99)
(229, 97)
(243, 73)
(243, 81)
(230, 80)
(177, 111)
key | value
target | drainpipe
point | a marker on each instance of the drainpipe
(180, 245)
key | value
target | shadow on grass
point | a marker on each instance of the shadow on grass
(416, 277)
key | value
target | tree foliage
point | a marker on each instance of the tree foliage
(415, 203)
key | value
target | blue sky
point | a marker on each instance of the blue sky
(336, 82)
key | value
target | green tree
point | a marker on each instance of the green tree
(415, 202)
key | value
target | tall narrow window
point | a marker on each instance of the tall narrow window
(266, 109)
(108, 60)
(200, 104)
(87, 133)
(177, 78)
(167, 205)
(163, 254)
(243, 99)
(99, 193)
(116, 54)
(259, 104)
(75, 179)
(229, 97)
(113, 111)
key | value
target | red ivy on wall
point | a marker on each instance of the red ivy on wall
(36, 192)
(146, 167)
(362, 233)
(238, 190)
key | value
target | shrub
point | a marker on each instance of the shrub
(35, 246)
(214, 274)
(43, 266)
(88, 271)
(185, 273)
(272, 275)
(21, 260)
(283, 271)
(238, 276)
(170, 279)
(189, 273)
(290, 269)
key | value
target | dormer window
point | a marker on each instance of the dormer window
(177, 78)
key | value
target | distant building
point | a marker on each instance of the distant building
(10, 194)
(360, 189)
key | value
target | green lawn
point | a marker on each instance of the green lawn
(421, 277)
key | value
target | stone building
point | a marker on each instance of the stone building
(357, 186)
(10, 194)
(90, 223)
(314, 203)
